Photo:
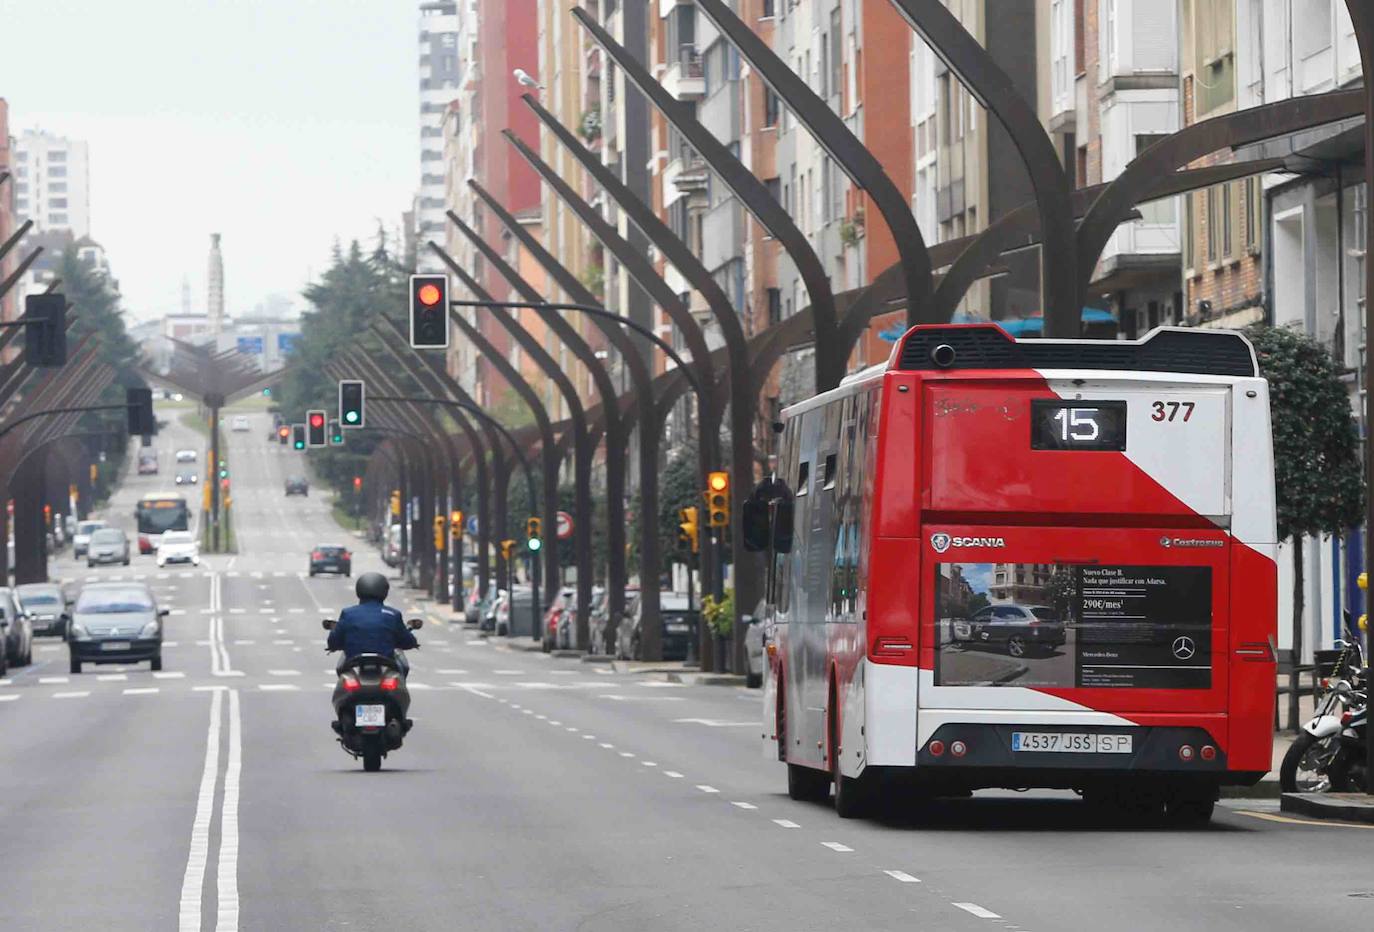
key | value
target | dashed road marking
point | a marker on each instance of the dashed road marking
(902, 876)
(142, 690)
(76, 694)
(607, 745)
(672, 773)
(742, 805)
(706, 788)
(278, 687)
(52, 680)
(976, 910)
(283, 672)
(785, 823)
(836, 846)
(452, 672)
(174, 675)
(627, 754)
(242, 641)
(112, 677)
(10, 697)
(649, 763)
(508, 672)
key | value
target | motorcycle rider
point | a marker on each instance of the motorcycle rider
(371, 626)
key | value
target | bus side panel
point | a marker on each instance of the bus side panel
(1254, 668)
(890, 714)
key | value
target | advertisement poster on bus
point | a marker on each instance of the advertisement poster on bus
(1073, 625)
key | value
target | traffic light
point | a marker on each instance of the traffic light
(335, 433)
(357, 484)
(351, 393)
(534, 539)
(396, 502)
(438, 532)
(267, 392)
(45, 330)
(429, 311)
(314, 428)
(298, 436)
(689, 533)
(455, 523)
(140, 402)
(507, 549)
(283, 434)
(223, 469)
(718, 499)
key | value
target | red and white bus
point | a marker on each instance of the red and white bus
(1032, 563)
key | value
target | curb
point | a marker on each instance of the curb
(1264, 789)
(566, 652)
(703, 679)
(1341, 807)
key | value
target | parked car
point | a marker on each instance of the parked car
(82, 538)
(472, 606)
(108, 545)
(240, 422)
(296, 485)
(486, 610)
(45, 607)
(563, 603)
(1020, 630)
(115, 622)
(757, 634)
(391, 549)
(679, 627)
(177, 547)
(18, 634)
(601, 608)
(187, 477)
(331, 558)
(186, 456)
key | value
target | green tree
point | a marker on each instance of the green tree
(1318, 479)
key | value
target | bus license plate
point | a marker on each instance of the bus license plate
(1070, 742)
(369, 716)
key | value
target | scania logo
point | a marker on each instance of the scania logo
(942, 542)
(1184, 648)
(1165, 542)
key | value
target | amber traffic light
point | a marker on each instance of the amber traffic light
(718, 499)
(689, 532)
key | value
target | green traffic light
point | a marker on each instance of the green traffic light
(224, 474)
(351, 417)
(299, 445)
(534, 544)
(267, 392)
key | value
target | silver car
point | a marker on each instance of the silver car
(108, 545)
(82, 538)
(757, 633)
(115, 622)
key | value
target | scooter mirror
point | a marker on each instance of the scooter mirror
(328, 624)
(415, 624)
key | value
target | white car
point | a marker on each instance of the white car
(186, 456)
(178, 547)
(240, 422)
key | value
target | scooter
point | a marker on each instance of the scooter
(370, 705)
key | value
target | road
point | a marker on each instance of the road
(533, 792)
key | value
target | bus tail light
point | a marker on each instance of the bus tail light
(892, 647)
(958, 748)
(937, 748)
(1185, 753)
(1208, 752)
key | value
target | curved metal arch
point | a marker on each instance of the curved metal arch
(752, 193)
(845, 148)
(1193, 142)
(990, 85)
(615, 432)
(647, 448)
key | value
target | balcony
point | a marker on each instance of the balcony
(685, 78)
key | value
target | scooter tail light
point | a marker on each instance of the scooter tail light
(1346, 717)
(350, 682)
(391, 682)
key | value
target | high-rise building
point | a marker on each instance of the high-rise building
(214, 303)
(439, 77)
(52, 182)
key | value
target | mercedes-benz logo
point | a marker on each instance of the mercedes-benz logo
(940, 542)
(1184, 648)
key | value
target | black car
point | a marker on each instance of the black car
(331, 558)
(18, 633)
(679, 627)
(296, 485)
(1020, 630)
(45, 606)
(115, 622)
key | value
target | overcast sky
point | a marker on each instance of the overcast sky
(279, 123)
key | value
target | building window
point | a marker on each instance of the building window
(774, 306)
(1160, 211)
(1225, 218)
(57, 187)
(57, 220)
(57, 171)
(1213, 223)
(1214, 60)
(1189, 235)
(836, 54)
(57, 155)
(774, 186)
(767, 9)
(1250, 194)
(58, 203)
(771, 103)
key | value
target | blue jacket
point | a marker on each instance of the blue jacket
(370, 627)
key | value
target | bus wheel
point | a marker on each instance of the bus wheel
(851, 793)
(1192, 806)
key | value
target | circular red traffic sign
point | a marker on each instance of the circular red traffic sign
(565, 525)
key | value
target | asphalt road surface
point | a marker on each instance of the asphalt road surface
(533, 792)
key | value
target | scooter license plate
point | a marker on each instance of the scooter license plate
(369, 716)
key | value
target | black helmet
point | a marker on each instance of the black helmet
(372, 586)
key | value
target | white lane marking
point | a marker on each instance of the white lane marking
(785, 823)
(208, 689)
(742, 805)
(976, 910)
(605, 672)
(9, 698)
(194, 878)
(525, 711)
(296, 611)
(227, 879)
(283, 642)
(672, 773)
(902, 876)
(284, 672)
(452, 672)
(589, 737)
(238, 611)
(176, 611)
(77, 694)
(648, 763)
(476, 643)
(278, 687)
(571, 728)
(112, 677)
(627, 754)
(170, 644)
(836, 846)
(419, 686)
(542, 718)
(713, 723)
(243, 641)
(554, 722)
(176, 675)
(142, 690)
(508, 672)
(52, 680)
(707, 789)
(618, 698)
(607, 745)
(474, 690)
(6, 681)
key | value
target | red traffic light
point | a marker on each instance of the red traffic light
(357, 483)
(429, 295)
(317, 420)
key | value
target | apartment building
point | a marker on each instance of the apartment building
(52, 184)
(8, 305)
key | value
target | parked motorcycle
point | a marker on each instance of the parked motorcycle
(370, 705)
(1330, 754)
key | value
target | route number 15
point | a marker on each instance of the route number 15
(1168, 410)
(1077, 424)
